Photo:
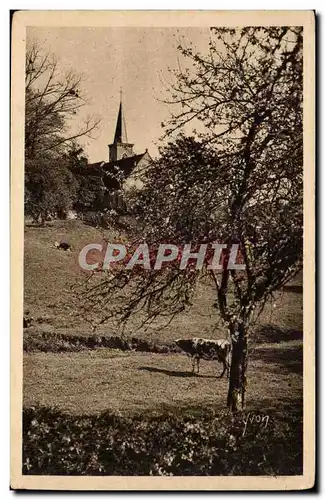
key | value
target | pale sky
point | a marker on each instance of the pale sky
(136, 59)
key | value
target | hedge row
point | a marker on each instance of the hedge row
(61, 444)
(60, 342)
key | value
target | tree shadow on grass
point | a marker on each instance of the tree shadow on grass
(36, 225)
(173, 373)
(293, 288)
(273, 334)
(286, 408)
(290, 358)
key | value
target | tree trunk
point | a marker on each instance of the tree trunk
(238, 368)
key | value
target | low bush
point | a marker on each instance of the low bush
(60, 342)
(170, 444)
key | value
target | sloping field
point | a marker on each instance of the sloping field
(147, 396)
(100, 379)
(50, 274)
(93, 381)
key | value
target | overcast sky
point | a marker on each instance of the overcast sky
(136, 59)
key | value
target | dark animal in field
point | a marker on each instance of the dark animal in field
(62, 245)
(208, 350)
(27, 320)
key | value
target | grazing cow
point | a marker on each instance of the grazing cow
(27, 320)
(206, 349)
(62, 245)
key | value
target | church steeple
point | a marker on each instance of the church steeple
(120, 148)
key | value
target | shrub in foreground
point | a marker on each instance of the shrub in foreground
(61, 444)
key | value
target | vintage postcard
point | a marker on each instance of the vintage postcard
(162, 272)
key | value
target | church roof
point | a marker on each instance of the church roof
(126, 165)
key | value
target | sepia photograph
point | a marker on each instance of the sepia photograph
(162, 199)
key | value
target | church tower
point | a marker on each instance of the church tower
(120, 148)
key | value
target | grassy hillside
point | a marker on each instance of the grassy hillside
(50, 274)
(109, 378)
(90, 409)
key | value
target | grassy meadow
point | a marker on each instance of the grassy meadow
(87, 382)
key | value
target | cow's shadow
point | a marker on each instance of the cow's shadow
(173, 373)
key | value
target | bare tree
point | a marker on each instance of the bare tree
(238, 181)
(52, 100)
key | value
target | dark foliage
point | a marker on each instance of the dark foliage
(60, 444)
(60, 342)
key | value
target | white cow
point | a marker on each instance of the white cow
(207, 349)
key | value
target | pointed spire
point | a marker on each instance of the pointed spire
(120, 148)
(120, 131)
